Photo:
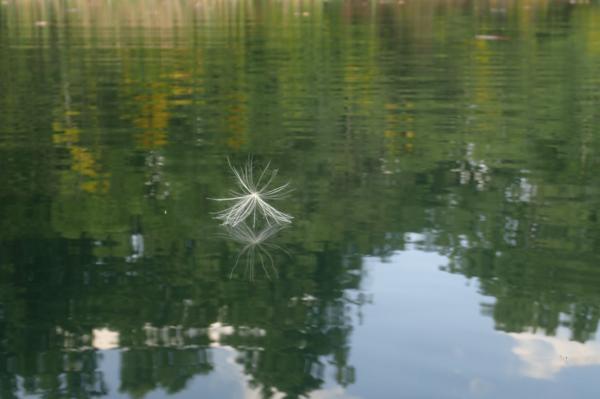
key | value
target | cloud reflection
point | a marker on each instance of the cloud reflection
(543, 357)
(104, 339)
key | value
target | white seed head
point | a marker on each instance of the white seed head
(251, 199)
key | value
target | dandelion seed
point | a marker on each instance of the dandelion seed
(252, 198)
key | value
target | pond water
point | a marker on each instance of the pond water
(444, 160)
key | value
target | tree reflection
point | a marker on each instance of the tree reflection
(109, 126)
(168, 312)
(145, 369)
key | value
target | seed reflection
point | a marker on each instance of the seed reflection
(256, 249)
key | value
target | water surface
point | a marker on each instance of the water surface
(444, 158)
